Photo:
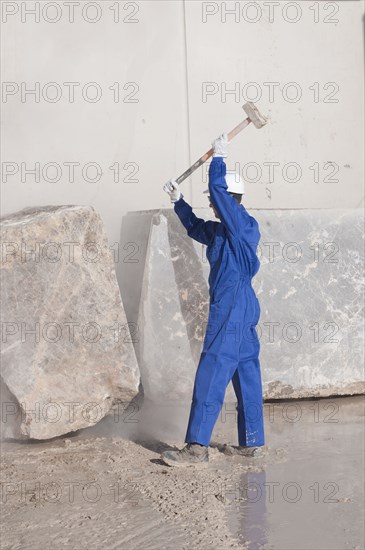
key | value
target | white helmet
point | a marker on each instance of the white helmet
(235, 183)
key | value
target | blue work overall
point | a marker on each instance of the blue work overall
(231, 345)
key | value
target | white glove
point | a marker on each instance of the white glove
(172, 188)
(220, 146)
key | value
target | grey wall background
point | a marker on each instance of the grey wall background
(301, 61)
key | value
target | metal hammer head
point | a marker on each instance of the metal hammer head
(254, 115)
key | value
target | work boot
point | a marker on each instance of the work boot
(240, 450)
(191, 454)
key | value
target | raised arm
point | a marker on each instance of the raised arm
(233, 216)
(197, 228)
(227, 207)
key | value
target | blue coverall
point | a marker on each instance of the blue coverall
(231, 345)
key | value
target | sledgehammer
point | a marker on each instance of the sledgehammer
(253, 115)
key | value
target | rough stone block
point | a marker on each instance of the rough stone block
(67, 354)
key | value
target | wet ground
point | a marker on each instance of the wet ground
(97, 489)
(314, 499)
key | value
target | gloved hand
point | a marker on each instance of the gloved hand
(220, 146)
(172, 188)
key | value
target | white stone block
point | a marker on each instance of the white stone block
(309, 286)
(67, 354)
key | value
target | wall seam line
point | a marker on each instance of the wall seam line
(187, 98)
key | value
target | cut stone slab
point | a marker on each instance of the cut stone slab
(67, 353)
(173, 308)
(309, 286)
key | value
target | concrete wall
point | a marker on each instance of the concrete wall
(165, 54)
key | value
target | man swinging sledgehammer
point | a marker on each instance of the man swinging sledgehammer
(231, 346)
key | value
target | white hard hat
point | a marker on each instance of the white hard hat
(235, 183)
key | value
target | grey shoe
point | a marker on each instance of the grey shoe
(238, 450)
(191, 454)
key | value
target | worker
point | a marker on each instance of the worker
(231, 345)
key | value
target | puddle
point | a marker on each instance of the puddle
(314, 498)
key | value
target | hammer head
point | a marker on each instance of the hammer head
(254, 115)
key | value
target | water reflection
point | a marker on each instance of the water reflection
(249, 519)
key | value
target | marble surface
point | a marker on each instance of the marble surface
(67, 352)
(309, 286)
(173, 309)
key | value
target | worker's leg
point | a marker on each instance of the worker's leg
(247, 384)
(218, 362)
(212, 378)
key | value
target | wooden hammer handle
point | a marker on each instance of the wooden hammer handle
(209, 153)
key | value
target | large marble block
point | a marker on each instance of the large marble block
(173, 309)
(67, 354)
(309, 286)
